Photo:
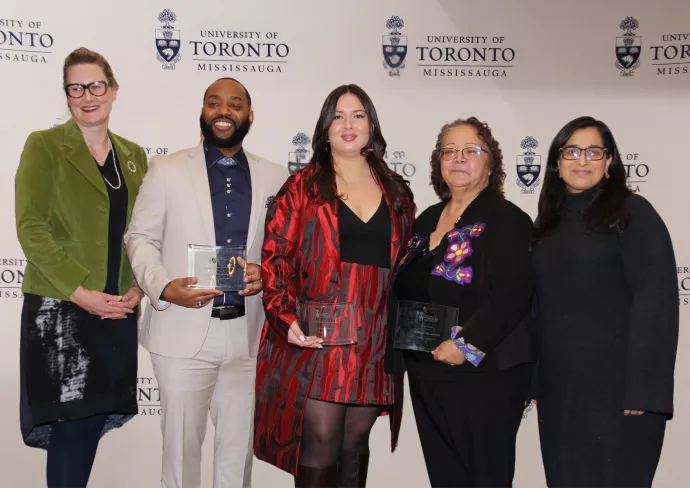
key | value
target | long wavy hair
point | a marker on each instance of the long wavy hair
(497, 176)
(397, 188)
(607, 211)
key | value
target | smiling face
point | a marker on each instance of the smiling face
(349, 130)
(578, 164)
(89, 110)
(469, 169)
(226, 115)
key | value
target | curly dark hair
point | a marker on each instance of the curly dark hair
(497, 175)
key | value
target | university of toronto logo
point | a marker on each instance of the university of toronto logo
(628, 47)
(299, 158)
(394, 46)
(168, 40)
(528, 165)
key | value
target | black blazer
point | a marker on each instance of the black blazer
(496, 306)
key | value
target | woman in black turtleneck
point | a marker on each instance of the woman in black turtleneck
(607, 309)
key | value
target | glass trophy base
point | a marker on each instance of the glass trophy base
(334, 323)
(423, 326)
(216, 267)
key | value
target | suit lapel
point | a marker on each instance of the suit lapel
(198, 175)
(328, 221)
(79, 156)
(396, 245)
(407, 257)
(258, 194)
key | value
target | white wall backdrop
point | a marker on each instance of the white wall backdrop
(525, 67)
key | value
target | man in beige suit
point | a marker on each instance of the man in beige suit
(203, 343)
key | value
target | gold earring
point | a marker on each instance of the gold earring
(606, 173)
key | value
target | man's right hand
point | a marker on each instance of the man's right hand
(179, 293)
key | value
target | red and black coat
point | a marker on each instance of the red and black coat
(301, 258)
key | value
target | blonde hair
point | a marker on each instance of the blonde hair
(86, 56)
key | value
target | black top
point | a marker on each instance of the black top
(117, 218)
(365, 242)
(481, 267)
(608, 309)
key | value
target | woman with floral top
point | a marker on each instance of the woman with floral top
(468, 253)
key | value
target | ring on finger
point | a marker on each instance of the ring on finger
(199, 304)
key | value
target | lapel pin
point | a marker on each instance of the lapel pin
(131, 166)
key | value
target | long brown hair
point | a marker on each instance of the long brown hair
(396, 187)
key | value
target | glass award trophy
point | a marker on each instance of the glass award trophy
(423, 326)
(216, 266)
(334, 323)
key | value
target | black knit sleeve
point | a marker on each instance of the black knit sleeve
(650, 272)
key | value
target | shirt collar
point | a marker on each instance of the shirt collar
(214, 156)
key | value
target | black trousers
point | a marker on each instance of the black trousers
(468, 426)
(72, 451)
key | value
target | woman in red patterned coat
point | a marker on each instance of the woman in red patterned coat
(333, 234)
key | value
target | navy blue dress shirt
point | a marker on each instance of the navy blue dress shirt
(231, 198)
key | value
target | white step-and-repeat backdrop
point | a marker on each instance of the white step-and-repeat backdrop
(526, 67)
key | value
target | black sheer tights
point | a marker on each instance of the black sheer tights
(332, 430)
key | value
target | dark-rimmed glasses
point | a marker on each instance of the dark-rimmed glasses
(471, 153)
(592, 153)
(77, 90)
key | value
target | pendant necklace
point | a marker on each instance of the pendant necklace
(119, 180)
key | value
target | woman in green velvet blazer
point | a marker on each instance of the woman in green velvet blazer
(75, 189)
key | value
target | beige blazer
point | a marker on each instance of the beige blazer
(172, 210)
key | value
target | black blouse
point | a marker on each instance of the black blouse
(481, 267)
(117, 218)
(368, 242)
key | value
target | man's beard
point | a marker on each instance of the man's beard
(235, 139)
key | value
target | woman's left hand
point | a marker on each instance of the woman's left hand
(129, 301)
(447, 352)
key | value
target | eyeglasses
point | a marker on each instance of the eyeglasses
(592, 153)
(77, 90)
(472, 153)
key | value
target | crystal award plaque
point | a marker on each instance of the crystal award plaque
(334, 323)
(423, 326)
(216, 266)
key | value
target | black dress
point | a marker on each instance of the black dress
(608, 329)
(73, 364)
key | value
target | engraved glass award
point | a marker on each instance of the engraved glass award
(423, 326)
(334, 323)
(216, 266)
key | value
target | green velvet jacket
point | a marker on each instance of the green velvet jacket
(62, 208)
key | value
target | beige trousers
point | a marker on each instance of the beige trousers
(219, 380)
